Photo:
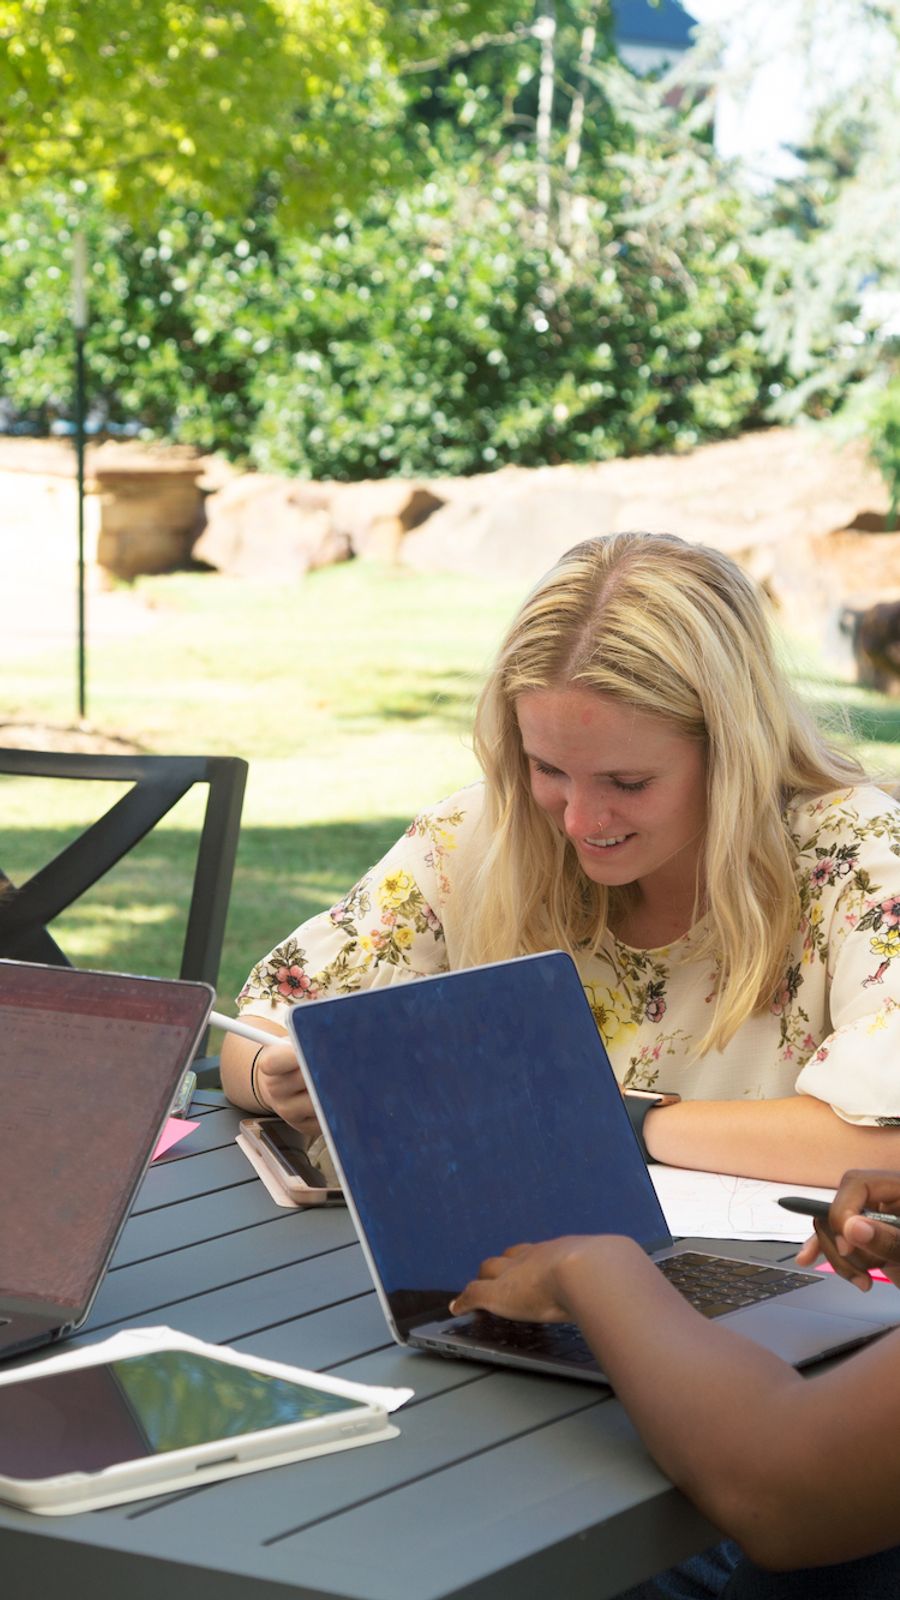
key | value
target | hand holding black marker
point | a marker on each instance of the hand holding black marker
(853, 1235)
(806, 1206)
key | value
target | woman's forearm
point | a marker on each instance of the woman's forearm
(266, 1079)
(793, 1140)
(799, 1472)
(235, 1061)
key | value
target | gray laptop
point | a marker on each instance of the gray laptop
(90, 1063)
(477, 1109)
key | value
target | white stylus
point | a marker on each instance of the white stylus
(232, 1025)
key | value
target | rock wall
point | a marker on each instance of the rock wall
(801, 511)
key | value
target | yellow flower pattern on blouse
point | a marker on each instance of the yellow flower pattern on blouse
(832, 1028)
(379, 920)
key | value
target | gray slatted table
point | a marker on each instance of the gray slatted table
(500, 1484)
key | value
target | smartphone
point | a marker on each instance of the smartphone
(114, 1430)
(184, 1094)
(283, 1149)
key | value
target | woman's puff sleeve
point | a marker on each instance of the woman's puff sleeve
(850, 890)
(388, 929)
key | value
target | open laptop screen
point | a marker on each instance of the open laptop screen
(469, 1112)
(89, 1063)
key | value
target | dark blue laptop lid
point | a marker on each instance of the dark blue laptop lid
(471, 1111)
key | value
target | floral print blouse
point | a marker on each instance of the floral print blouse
(832, 1029)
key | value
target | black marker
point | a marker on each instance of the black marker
(808, 1207)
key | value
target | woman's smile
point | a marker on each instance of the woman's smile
(626, 788)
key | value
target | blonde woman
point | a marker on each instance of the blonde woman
(656, 802)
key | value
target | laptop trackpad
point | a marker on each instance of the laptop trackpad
(798, 1336)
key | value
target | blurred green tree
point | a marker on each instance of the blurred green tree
(830, 305)
(183, 97)
(203, 100)
(554, 269)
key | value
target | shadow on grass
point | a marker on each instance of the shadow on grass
(134, 919)
(394, 695)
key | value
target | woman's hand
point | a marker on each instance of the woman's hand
(523, 1283)
(279, 1085)
(852, 1243)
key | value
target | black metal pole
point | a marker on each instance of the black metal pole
(79, 448)
(79, 318)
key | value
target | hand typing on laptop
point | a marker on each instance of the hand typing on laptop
(732, 1424)
(527, 1283)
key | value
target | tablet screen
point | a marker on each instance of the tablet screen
(93, 1417)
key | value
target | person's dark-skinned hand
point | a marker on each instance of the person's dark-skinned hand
(525, 1283)
(852, 1243)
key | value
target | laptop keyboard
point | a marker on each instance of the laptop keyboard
(714, 1286)
(553, 1341)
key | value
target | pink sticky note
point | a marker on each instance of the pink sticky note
(876, 1272)
(175, 1130)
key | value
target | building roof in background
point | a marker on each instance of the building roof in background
(666, 25)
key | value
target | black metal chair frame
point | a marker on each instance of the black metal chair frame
(159, 782)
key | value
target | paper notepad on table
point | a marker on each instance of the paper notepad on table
(712, 1205)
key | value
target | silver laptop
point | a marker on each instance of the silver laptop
(477, 1109)
(90, 1063)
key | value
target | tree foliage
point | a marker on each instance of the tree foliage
(831, 302)
(830, 306)
(556, 270)
(203, 100)
(446, 334)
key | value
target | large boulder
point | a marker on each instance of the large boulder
(263, 526)
(768, 487)
(818, 584)
(771, 498)
(376, 516)
(511, 528)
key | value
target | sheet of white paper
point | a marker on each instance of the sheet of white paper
(712, 1205)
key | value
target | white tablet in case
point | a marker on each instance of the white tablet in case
(153, 1410)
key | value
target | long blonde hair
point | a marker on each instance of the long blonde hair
(676, 630)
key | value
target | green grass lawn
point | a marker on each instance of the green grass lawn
(350, 694)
